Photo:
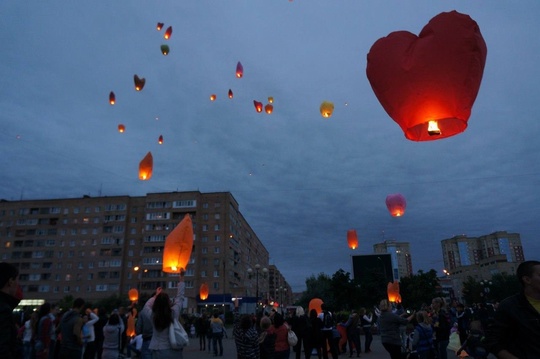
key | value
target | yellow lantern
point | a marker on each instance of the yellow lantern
(178, 246)
(270, 99)
(203, 291)
(145, 167)
(327, 108)
(121, 128)
(133, 294)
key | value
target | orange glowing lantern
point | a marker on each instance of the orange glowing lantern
(145, 167)
(239, 70)
(159, 26)
(269, 108)
(112, 98)
(327, 108)
(213, 97)
(231, 95)
(428, 83)
(133, 294)
(315, 303)
(178, 246)
(258, 106)
(393, 292)
(160, 139)
(352, 238)
(396, 204)
(203, 291)
(130, 327)
(270, 99)
(139, 82)
(121, 128)
(168, 33)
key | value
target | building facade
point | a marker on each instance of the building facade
(401, 257)
(94, 247)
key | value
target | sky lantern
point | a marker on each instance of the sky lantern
(168, 33)
(121, 128)
(392, 290)
(428, 83)
(112, 98)
(203, 291)
(315, 303)
(239, 70)
(213, 97)
(178, 246)
(145, 167)
(231, 95)
(160, 139)
(159, 26)
(396, 204)
(352, 238)
(139, 82)
(270, 99)
(258, 106)
(165, 49)
(327, 108)
(133, 294)
(269, 108)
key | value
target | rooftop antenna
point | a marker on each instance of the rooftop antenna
(22, 191)
(100, 188)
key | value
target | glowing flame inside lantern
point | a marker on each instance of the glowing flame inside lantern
(433, 128)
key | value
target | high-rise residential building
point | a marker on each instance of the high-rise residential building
(94, 247)
(400, 254)
(480, 257)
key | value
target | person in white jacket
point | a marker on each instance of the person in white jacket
(90, 350)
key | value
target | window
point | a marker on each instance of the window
(205, 227)
(217, 216)
(66, 289)
(217, 238)
(216, 274)
(101, 288)
(216, 227)
(34, 277)
(204, 239)
(185, 204)
(97, 209)
(203, 273)
(216, 250)
(90, 276)
(216, 285)
(76, 210)
(205, 216)
(204, 250)
(190, 272)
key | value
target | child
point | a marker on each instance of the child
(473, 344)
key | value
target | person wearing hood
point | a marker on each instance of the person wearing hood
(9, 299)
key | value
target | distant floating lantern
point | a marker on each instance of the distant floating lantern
(139, 82)
(231, 95)
(165, 49)
(392, 290)
(178, 247)
(239, 70)
(327, 108)
(112, 98)
(316, 304)
(203, 291)
(121, 128)
(159, 26)
(160, 139)
(270, 99)
(396, 204)
(213, 97)
(133, 294)
(168, 33)
(269, 108)
(428, 83)
(352, 238)
(258, 106)
(145, 167)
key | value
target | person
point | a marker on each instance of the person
(9, 287)
(281, 330)
(440, 320)
(112, 336)
(515, 330)
(53, 315)
(366, 320)
(299, 325)
(71, 331)
(473, 344)
(245, 335)
(463, 316)
(145, 328)
(314, 338)
(163, 313)
(389, 327)
(98, 330)
(267, 340)
(131, 317)
(134, 345)
(216, 324)
(201, 328)
(423, 337)
(328, 333)
(353, 333)
(42, 332)
(90, 350)
(27, 334)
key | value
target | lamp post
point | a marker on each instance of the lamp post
(485, 289)
(281, 291)
(251, 274)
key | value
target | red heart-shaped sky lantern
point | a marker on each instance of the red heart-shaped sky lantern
(428, 83)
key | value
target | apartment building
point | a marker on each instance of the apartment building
(95, 247)
(401, 257)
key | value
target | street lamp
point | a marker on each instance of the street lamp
(485, 288)
(250, 275)
(281, 291)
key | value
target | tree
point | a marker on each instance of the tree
(419, 289)
(501, 285)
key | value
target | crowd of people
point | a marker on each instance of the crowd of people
(509, 329)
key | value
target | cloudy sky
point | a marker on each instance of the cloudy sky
(301, 180)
